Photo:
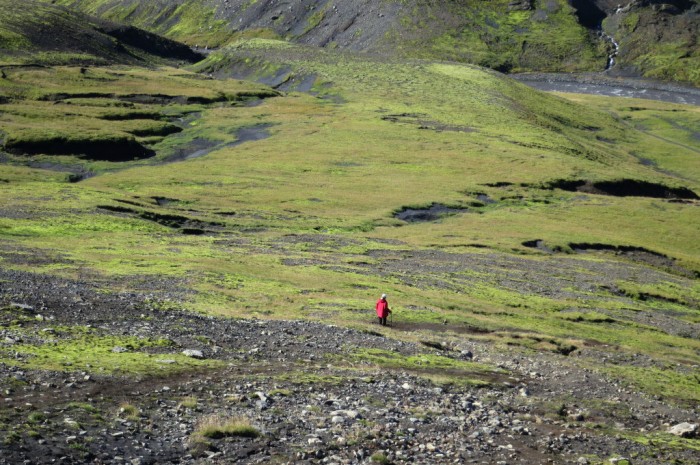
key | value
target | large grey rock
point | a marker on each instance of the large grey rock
(193, 353)
(684, 430)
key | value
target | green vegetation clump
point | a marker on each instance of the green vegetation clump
(101, 355)
(216, 427)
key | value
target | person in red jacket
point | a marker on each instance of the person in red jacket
(383, 310)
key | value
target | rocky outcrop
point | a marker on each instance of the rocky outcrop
(520, 5)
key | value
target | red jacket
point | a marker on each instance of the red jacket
(382, 308)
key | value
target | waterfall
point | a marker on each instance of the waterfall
(615, 45)
(615, 50)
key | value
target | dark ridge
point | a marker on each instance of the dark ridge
(432, 213)
(117, 149)
(434, 345)
(162, 201)
(185, 224)
(630, 187)
(584, 246)
(128, 202)
(80, 176)
(538, 244)
(164, 130)
(64, 96)
(499, 184)
(171, 221)
(623, 188)
(151, 43)
(162, 99)
(116, 209)
(637, 254)
(193, 231)
(131, 115)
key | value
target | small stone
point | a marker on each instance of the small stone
(337, 419)
(71, 439)
(119, 350)
(406, 386)
(620, 461)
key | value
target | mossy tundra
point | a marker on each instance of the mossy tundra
(280, 203)
(314, 177)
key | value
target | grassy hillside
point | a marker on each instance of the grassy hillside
(488, 148)
(40, 33)
(560, 233)
(655, 40)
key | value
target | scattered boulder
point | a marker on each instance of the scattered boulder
(524, 5)
(620, 461)
(193, 353)
(684, 430)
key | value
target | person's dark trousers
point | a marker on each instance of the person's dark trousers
(382, 321)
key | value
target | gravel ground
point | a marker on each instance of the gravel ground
(297, 384)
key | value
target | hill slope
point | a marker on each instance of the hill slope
(200, 287)
(44, 33)
(655, 39)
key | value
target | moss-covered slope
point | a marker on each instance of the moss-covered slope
(41, 33)
(655, 39)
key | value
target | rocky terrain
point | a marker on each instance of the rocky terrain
(307, 395)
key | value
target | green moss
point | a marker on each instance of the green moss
(437, 368)
(490, 34)
(96, 355)
(662, 441)
(676, 385)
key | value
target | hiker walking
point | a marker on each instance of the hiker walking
(383, 310)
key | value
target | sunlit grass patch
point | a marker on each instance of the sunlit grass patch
(103, 355)
(678, 385)
(437, 368)
(661, 441)
(217, 427)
